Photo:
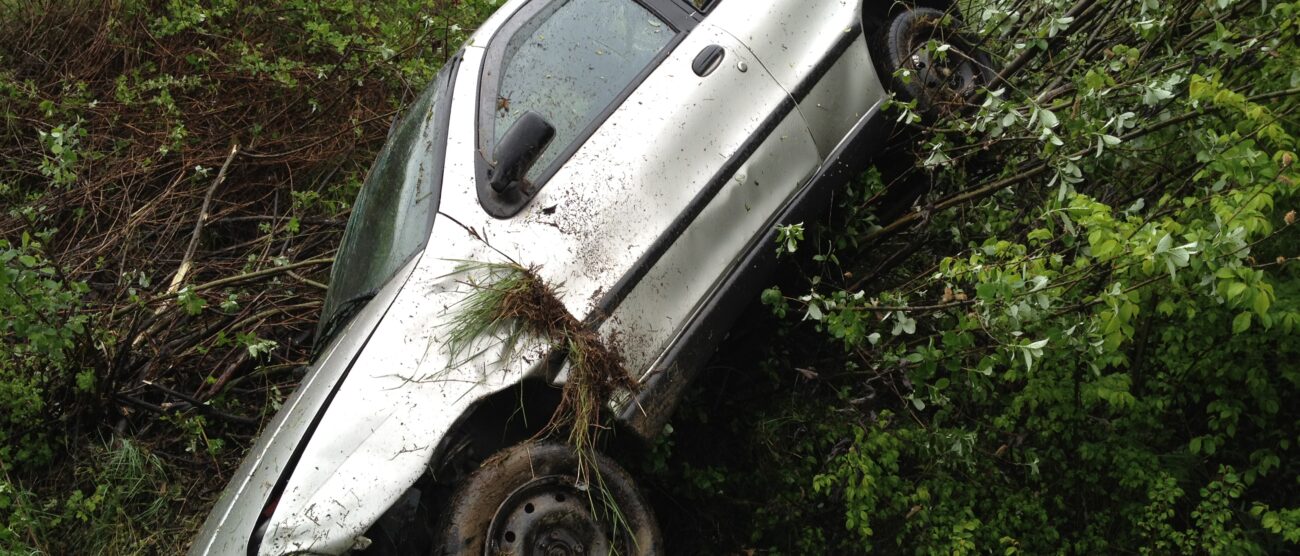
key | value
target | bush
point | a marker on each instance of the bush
(118, 119)
(42, 323)
(1083, 337)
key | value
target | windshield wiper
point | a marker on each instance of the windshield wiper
(342, 315)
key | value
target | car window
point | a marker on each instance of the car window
(569, 62)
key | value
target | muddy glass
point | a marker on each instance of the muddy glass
(393, 215)
(570, 62)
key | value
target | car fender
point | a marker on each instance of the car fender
(402, 396)
(233, 518)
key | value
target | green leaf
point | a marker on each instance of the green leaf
(814, 312)
(1241, 323)
(1235, 289)
(1048, 118)
(1261, 303)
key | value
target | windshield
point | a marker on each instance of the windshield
(393, 215)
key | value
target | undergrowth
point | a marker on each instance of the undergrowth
(174, 179)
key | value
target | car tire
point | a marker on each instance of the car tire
(525, 500)
(939, 86)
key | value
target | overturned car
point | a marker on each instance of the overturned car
(637, 154)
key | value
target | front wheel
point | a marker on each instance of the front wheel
(526, 500)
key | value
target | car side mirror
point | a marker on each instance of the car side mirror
(518, 150)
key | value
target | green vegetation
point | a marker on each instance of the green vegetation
(163, 163)
(1081, 338)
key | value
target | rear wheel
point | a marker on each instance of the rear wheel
(526, 500)
(941, 79)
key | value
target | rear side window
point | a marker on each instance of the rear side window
(569, 61)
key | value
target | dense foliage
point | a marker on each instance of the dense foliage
(163, 163)
(1083, 337)
(1080, 338)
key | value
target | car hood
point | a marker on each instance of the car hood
(368, 417)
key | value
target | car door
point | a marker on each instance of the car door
(641, 204)
(817, 53)
(746, 179)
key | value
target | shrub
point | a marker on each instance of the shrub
(1082, 339)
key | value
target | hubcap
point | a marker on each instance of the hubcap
(548, 516)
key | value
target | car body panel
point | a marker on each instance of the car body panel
(817, 52)
(652, 314)
(614, 199)
(403, 394)
(645, 413)
(841, 91)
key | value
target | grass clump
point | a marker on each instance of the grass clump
(512, 302)
(120, 506)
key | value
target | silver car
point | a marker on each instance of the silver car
(642, 153)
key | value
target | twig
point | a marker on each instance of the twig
(188, 259)
(309, 281)
(271, 312)
(962, 197)
(1029, 53)
(201, 407)
(225, 282)
(244, 358)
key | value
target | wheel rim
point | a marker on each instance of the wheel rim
(549, 516)
(946, 79)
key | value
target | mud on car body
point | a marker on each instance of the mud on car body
(642, 154)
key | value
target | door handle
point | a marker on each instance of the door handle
(708, 60)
